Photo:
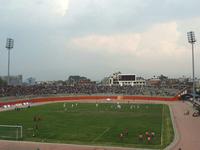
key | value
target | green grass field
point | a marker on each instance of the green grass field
(91, 125)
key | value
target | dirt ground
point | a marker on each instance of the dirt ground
(187, 137)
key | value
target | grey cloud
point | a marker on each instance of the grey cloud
(111, 16)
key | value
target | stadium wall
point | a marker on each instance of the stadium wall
(92, 98)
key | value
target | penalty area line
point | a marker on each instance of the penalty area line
(98, 137)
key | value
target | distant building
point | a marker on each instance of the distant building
(198, 83)
(154, 82)
(125, 79)
(14, 80)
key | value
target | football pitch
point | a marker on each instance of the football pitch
(107, 124)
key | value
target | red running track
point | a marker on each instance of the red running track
(71, 98)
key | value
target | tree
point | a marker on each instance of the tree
(162, 77)
(2, 82)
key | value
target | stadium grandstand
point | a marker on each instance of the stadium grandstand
(42, 90)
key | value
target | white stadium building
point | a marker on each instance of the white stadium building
(125, 79)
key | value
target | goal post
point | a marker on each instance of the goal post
(14, 132)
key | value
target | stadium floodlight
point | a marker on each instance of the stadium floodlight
(9, 46)
(192, 40)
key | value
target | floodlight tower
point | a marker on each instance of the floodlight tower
(9, 46)
(192, 40)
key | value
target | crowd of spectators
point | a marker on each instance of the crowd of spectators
(42, 90)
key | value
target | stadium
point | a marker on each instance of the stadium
(96, 121)
(57, 89)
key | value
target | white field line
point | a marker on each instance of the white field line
(176, 133)
(162, 125)
(7, 137)
(106, 130)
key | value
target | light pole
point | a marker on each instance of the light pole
(9, 46)
(192, 40)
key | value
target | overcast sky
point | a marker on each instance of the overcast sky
(94, 38)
